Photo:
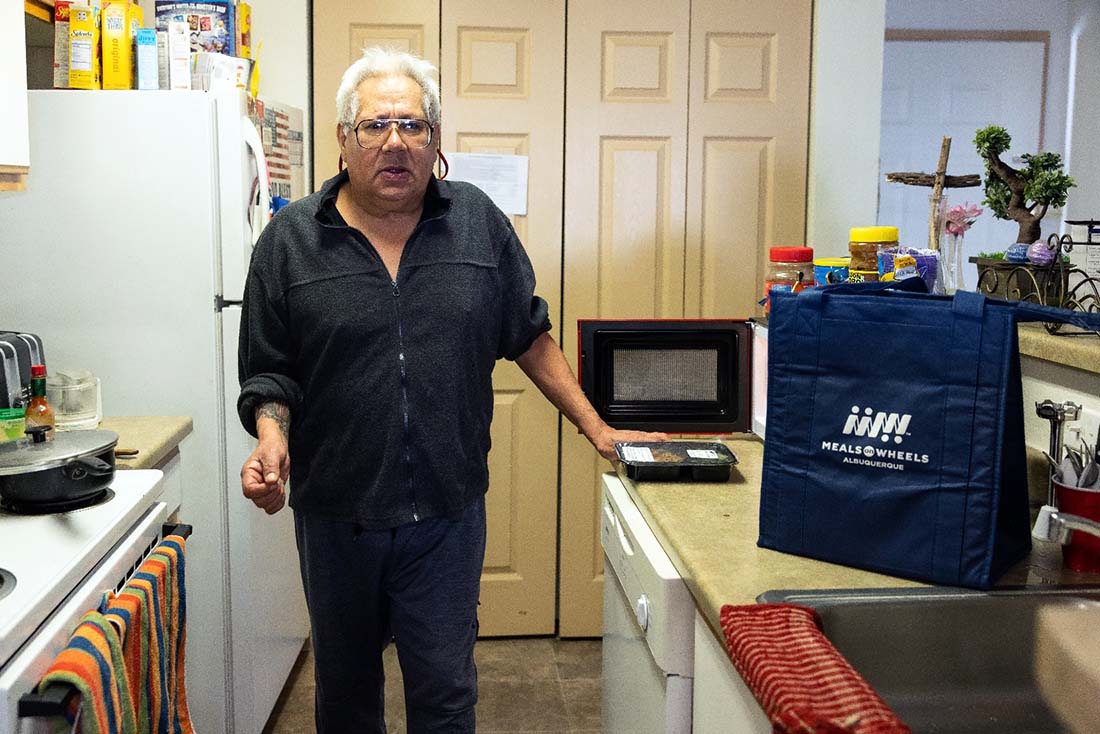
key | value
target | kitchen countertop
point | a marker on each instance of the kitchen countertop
(1081, 352)
(709, 530)
(155, 437)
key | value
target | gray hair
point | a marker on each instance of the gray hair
(377, 62)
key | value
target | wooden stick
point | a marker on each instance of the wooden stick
(913, 178)
(937, 193)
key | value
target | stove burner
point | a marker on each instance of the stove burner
(49, 508)
(7, 583)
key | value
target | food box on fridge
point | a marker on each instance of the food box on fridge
(84, 64)
(120, 21)
(145, 57)
(61, 44)
(211, 25)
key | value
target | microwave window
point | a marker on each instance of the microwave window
(650, 375)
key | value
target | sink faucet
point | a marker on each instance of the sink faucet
(1062, 525)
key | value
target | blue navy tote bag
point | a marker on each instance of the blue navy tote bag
(895, 437)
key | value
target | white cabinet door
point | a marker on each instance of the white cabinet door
(721, 702)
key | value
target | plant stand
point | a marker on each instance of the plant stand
(1058, 284)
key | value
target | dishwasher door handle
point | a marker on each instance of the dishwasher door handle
(627, 546)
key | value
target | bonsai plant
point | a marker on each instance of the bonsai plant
(1022, 195)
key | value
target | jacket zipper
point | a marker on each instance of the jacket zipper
(407, 457)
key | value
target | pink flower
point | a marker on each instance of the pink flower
(961, 217)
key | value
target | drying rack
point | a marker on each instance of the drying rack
(55, 699)
(1057, 284)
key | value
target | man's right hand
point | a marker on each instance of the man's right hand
(264, 475)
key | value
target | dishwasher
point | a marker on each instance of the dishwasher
(648, 632)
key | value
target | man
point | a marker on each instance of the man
(374, 312)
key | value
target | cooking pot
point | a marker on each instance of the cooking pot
(74, 466)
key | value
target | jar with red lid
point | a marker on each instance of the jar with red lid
(789, 269)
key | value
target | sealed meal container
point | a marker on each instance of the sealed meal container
(666, 461)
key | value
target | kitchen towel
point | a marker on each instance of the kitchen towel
(152, 612)
(896, 430)
(802, 682)
(92, 664)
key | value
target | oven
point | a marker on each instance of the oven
(58, 566)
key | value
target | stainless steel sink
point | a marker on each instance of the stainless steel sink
(951, 661)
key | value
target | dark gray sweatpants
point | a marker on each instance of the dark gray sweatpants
(418, 583)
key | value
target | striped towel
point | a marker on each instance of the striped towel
(802, 682)
(151, 609)
(92, 663)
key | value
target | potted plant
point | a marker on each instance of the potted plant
(1022, 195)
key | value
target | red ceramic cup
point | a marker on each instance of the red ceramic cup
(1083, 551)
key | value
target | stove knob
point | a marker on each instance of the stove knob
(641, 612)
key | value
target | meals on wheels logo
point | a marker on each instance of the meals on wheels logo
(887, 428)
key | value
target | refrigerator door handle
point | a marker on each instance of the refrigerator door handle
(222, 303)
(256, 147)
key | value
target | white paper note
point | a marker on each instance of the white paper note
(703, 453)
(502, 177)
(638, 454)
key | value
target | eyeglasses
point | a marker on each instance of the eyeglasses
(374, 133)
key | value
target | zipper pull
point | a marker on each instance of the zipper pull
(396, 290)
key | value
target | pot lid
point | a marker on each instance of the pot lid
(22, 456)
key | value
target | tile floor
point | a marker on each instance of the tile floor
(524, 685)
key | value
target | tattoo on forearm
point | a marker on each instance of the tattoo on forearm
(276, 412)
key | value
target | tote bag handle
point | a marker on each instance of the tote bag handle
(1026, 311)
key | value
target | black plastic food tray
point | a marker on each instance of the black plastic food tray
(676, 461)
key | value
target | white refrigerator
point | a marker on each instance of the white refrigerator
(127, 254)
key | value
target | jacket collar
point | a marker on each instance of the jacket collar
(437, 200)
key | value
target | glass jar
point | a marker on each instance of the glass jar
(864, 244)
(789, 269)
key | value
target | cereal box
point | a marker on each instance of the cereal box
(84, 47)
(211, 25)
(61, 44)
(118, 47)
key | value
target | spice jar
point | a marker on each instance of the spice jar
(864, 244)
(789, 269)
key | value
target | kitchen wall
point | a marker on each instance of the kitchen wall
(845, 109)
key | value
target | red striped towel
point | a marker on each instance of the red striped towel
(92, 663)
(802, 682)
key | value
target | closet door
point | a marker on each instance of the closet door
(341, 30)
(625, 150)
(747, 146)
(503, 92)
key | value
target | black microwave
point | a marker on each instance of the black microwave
(671, 375)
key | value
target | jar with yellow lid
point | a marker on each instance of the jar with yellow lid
(864, 244)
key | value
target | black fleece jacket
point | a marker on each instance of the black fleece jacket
(388, 382)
